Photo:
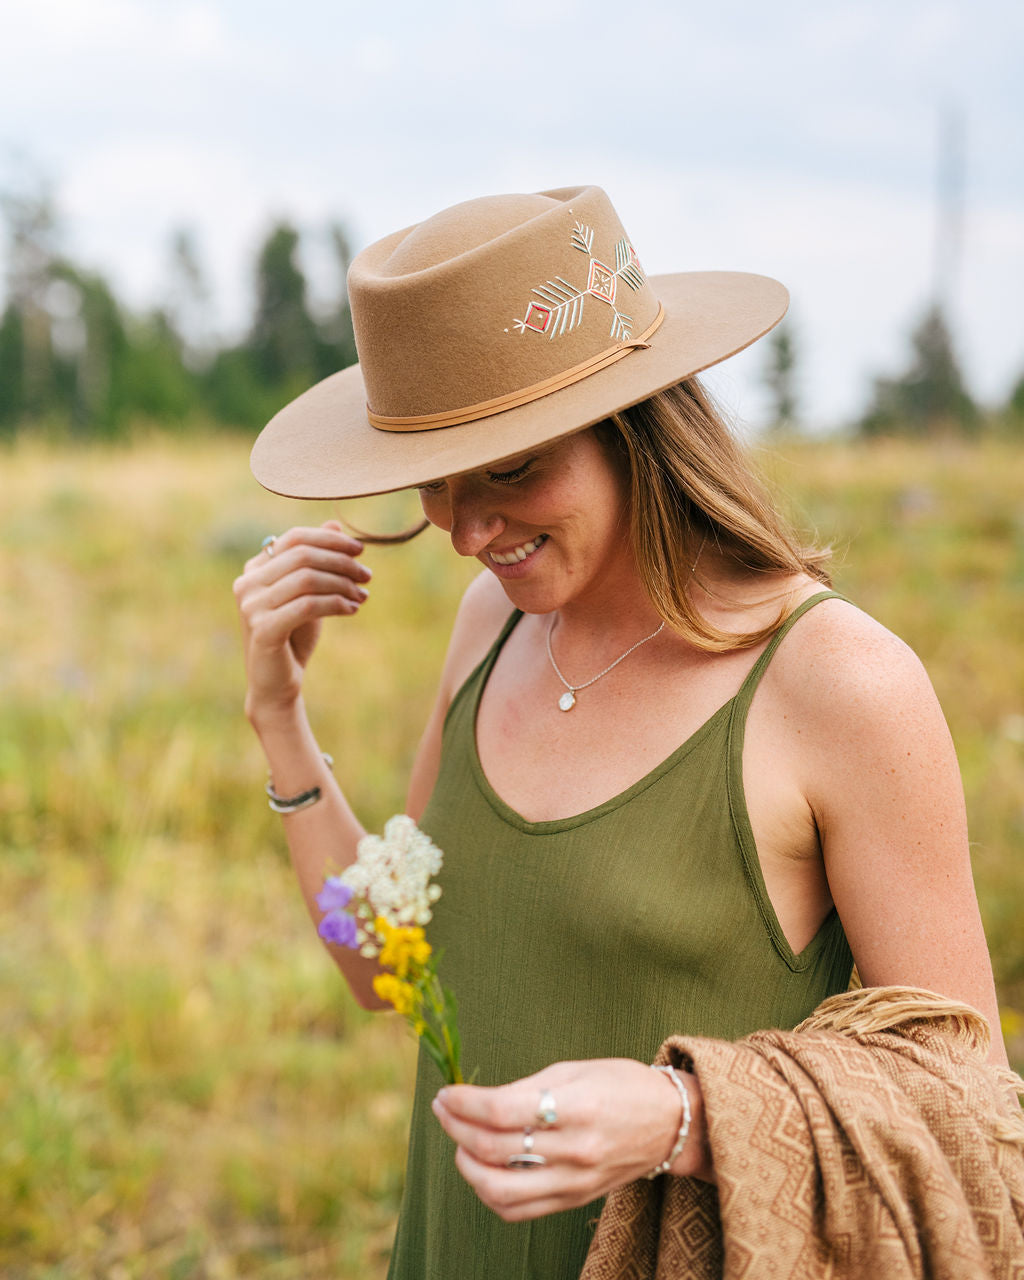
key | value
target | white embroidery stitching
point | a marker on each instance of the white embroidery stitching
(560, 309)
(582, 237)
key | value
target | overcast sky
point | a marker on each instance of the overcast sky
(796, 139)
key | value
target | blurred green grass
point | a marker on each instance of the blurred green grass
(185, 1089)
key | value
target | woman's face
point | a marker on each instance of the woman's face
(550, 523)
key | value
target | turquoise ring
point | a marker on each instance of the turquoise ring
(547, 1113)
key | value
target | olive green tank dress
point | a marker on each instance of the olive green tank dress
(590, 937)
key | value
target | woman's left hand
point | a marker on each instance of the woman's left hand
(616, 1120)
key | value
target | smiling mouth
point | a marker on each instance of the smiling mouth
(519, 553)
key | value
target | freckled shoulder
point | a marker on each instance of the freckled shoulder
(483, 611)
(853, 717)
(837, 657)
(846, 694)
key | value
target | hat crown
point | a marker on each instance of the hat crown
(494, 297)
(461, 229)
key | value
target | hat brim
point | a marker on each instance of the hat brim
(321, 445)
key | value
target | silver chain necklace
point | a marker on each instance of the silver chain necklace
(568, 699)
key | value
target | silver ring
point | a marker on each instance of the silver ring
(267, 544)
(527, 1158)
(547, 1112)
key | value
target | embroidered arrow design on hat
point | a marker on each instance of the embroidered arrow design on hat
(560, 309)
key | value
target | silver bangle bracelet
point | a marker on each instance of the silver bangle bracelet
(293, 804)
(684, 1127)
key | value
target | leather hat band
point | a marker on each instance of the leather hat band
(486, 408)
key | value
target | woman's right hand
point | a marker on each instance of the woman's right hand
(282, 600)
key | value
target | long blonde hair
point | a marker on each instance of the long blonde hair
(691, 486)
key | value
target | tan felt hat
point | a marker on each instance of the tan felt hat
(494, 327)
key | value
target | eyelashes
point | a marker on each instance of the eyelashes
(495, 477)
(510, 477)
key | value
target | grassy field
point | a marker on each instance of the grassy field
(185, 1089)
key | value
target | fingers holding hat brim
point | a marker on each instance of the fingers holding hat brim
(321, 445)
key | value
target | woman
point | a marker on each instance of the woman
(678, 783)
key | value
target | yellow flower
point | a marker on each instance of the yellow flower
(403, 995)
(404, 947)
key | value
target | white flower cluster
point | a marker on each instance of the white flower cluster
(391, 878)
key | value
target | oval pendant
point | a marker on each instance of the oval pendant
(567, 701)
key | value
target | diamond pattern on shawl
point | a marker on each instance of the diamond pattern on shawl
(854, 1148)
(691, 1230)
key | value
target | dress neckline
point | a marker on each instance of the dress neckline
(549, 826)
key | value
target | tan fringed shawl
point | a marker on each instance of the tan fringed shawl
(872, 1143)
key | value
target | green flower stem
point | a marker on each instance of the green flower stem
(435, 992)
(453, 1066)
(434, 1018)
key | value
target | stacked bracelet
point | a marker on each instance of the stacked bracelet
(684, 1127)
(292, 804)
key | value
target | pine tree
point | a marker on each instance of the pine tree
(780, 378)
(32, 251)
(930, 397)
(337, 340)
(188, 300)
(283, 341)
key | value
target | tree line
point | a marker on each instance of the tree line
(75, 360)
(928, 398)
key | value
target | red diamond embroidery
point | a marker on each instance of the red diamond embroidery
(537, 317)
(601, 283)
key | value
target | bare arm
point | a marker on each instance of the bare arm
(881, 776)
(282, 601)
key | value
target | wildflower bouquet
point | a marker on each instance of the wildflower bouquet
(379, 906)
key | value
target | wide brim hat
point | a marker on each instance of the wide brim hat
(494, 327)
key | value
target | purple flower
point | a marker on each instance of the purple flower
(334, 895)
(338, 926)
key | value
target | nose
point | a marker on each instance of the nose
(475, 521)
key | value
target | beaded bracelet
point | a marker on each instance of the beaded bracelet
(292, 804)
(684, 1127)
